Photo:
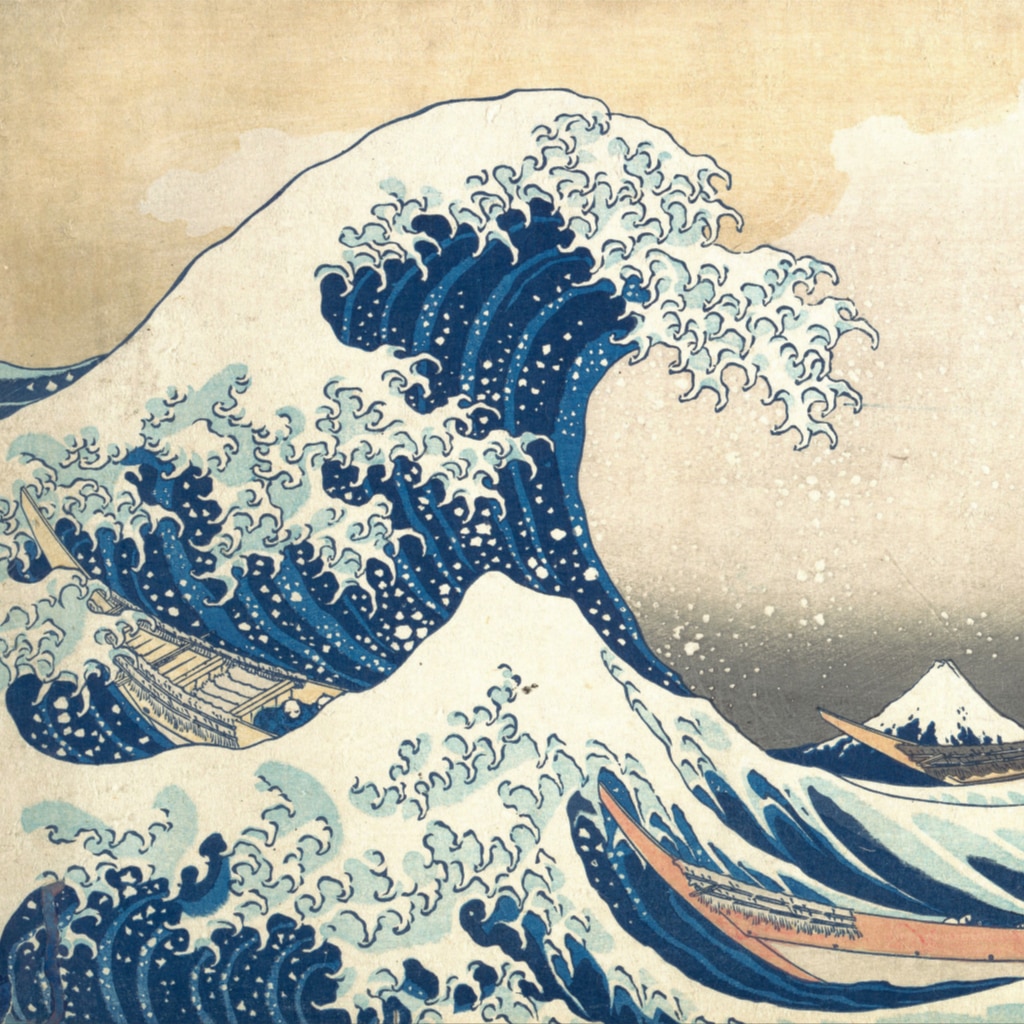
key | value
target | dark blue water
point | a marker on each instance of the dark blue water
(526, 338)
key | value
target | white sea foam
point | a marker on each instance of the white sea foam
(453, 786)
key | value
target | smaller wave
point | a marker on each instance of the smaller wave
(21, 386)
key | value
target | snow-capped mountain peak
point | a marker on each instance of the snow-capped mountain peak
(943, 707)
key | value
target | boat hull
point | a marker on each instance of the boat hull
(818, 943)
(189, 691)
(956, 765)
(847, 967)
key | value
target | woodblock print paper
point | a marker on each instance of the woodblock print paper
(987, 525)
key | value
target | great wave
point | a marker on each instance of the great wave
(345, 447)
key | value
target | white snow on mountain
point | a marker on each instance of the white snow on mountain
(947, 709)
(942, 707)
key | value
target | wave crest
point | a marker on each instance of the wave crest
(649, 213)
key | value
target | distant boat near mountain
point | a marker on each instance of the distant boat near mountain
(941, 728)
(956, 764)
(189, 690)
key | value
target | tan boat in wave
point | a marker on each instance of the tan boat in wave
(819, 942)
(956, 764)
(191, 691)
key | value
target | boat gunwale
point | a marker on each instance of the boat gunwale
(927, 758)
(878, 934)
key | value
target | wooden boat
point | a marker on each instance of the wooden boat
(191, 691)
(956, 764)
(818, 942)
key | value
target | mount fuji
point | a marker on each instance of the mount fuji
(941, 708)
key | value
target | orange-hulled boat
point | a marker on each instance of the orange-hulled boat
(822, 943)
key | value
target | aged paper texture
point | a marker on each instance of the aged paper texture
(511, 512)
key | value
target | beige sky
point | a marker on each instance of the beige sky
(100, 99)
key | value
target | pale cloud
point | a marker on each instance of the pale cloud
(228, 193)
(905, 187)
